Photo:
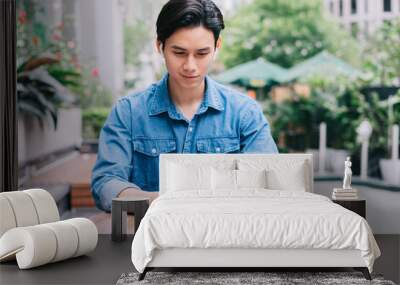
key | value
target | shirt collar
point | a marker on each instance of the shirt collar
(160, 101)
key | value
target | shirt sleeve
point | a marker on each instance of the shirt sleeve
(114, 159)
(255, 133)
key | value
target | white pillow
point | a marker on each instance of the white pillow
(282, 174)
(251, 178)
(295, 181)
(226, 179)
(223, 179)
(182, 177)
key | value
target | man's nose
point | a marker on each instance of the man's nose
(190, 64)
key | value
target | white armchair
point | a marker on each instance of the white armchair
(31, 233)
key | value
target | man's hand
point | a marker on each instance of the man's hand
(136, 192)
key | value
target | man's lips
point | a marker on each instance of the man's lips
(190, 77)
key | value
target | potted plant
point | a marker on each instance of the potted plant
(39, 93)
(47, 68)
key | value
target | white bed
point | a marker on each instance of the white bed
(203, 220)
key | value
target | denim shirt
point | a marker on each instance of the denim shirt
(143, 125)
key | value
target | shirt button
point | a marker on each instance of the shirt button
(153, 150)
(190, 129)
(217, 149)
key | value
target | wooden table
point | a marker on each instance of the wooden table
(119, 211)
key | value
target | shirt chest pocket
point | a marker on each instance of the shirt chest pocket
(146, 154)
(218, 145)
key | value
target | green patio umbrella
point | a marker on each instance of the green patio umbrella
(322, 64)
(256, 73)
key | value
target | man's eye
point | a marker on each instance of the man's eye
(179, 53)
(202, 54)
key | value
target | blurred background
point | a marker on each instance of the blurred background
(326, 72)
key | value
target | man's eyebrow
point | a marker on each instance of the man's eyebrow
(204, 49)
(183, 49)
(178, 47)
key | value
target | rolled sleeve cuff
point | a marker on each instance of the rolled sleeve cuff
(111, 189)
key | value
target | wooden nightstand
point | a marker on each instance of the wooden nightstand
(357, 206)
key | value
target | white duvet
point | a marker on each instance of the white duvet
(252, 218)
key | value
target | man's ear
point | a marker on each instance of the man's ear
(159, 47)
(219, 42)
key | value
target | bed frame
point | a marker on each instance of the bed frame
(246, 258)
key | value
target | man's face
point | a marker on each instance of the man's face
(188, 54)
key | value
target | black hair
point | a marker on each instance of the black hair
(176, 14)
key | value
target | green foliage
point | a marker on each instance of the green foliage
(93, 120)
(298, 121)
(396, 109)
(31, 34)
(342, 107)
(382, 56)
(284, 32)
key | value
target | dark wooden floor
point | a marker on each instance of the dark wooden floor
(110, 260)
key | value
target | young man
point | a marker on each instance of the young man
(185, 112)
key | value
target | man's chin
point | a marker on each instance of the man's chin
(191, 82)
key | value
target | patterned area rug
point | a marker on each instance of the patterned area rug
(269, 278)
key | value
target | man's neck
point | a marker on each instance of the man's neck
(184, 97)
